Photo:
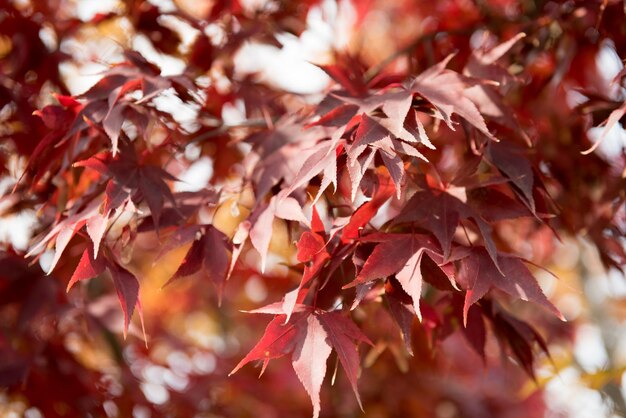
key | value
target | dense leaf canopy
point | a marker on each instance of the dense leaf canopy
(391, 230)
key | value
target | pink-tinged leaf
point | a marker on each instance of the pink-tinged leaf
(368, 133)
(323, 160)
(97, 163)
(239, 240)
(289, 209)
(478, 275)
(112, 125)
(421, 131)
(344, 336)
(96, 226)
(309, 360)
(62, 240)
(261, 233)
(280, 206)
(445, 90)
(87, 268)
(410, 278)
(613, 118)
(482, 65)
(115, 195)
(330, 175)
(127, 288)
(362, 290)
(63, 232)
(276, 308)
(396, 107)
(400, 147)
(290, 300)
(395, 167)
(278, 340)
(119, 93)
(357, 169)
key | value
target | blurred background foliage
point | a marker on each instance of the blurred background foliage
(74, 358)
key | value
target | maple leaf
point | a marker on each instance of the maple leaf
(510, 160)
(209, 253)
(88, 268)
(344, 335)
(309, 335)
(311, 248)
(131, 179)
(478, 275)
(402, 310)
(391, 134)
(517, 334)
(279, 339)
(398, 254)
(372, 136)
(309, 360)
(483, 64)
(279, 206)
(367, 210)
(474, 329)
(309, 245)
(441, 213)
(280, 153)
(324, 160)
(64, 231)
(127, 288)
(494, 205)
(113, 93)
(125, 282)
(63, 123)
(347, 74)
(446, 91)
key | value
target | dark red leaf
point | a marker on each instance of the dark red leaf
(478, 275)
(127, 288)
(344, 335)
